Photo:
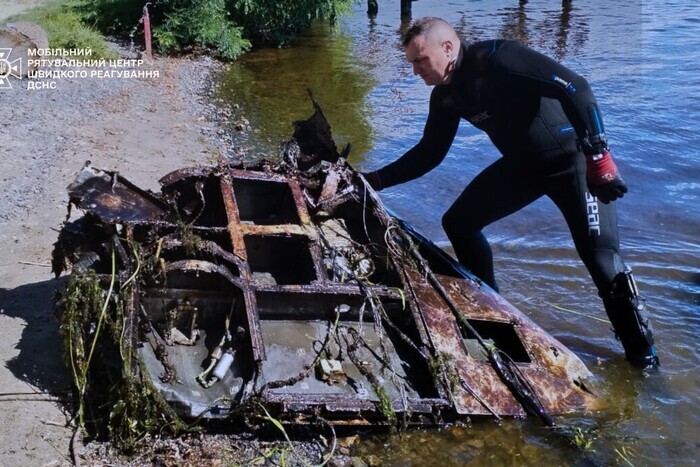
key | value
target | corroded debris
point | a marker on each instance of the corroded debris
(289, 285)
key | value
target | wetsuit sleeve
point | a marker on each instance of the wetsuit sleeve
(438, 134)
(531, 70)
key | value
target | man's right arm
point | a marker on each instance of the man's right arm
(438, 134)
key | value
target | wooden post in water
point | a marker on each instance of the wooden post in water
(406, 8)
(372, 7)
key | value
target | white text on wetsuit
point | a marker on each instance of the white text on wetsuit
(592, 211)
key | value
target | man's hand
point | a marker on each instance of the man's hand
(373, 179)
(604, 181)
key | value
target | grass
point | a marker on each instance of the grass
(582, 440)
(65, 29)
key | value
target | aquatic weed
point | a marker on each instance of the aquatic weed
(442, 369)
(582, 440)
(190, 241)
(385, 405)
(624, 455)
(114, 395)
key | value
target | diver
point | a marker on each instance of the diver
(544, 120)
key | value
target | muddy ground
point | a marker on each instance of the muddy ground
(142, 128)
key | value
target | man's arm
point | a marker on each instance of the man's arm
(438, 134)
(539, 73)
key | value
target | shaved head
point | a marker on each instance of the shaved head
(435, 30)
(432, 47)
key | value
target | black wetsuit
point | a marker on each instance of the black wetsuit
(535, 111)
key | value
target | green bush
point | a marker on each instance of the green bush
(176, 25)
(203, 24)
(225, 26)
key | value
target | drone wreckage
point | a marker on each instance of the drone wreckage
(288, 285)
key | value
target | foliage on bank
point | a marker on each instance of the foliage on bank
(227, 27)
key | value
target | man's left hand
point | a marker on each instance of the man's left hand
(609, 191)
(604, 180)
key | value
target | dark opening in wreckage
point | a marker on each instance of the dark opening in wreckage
(289, 284)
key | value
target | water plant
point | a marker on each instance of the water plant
(385, 405)
(190, 240)
(581, 440)
(442, 369)
(114, 396)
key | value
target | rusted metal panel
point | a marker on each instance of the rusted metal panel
(186, 172)
(554, 369)
(447, 340)
(233, 224)
(114, 199)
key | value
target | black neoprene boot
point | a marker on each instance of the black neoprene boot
(625, 309)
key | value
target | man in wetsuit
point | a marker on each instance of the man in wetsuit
(545, 121)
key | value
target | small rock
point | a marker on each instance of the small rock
(474, 443)
(349, 441)
(340, 461)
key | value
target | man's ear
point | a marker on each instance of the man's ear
(448, 47)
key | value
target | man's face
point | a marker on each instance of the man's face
(430, 59)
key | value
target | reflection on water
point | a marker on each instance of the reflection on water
(558, 32)
(271, 87)
(516, 24)
(642, 62)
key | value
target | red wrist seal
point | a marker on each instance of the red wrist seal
(600, 168)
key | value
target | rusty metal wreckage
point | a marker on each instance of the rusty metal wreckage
(290, 282)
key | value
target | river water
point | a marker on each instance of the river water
(643, 61)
